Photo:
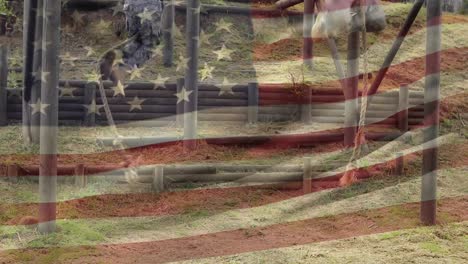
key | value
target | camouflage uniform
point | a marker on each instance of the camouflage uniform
(148, 33)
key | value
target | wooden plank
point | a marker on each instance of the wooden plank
(158, 179)
(307, 175)
(180, 106)
(81, 179)
(253, 99)
(402, 116)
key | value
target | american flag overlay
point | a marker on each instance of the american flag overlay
(240, 131)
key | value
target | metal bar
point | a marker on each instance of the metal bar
(29, 8)
(49, 117)
(308, 44)
(191, 79)
(37, 61)
(168, 36)
(351, 92)
(431, 112)
(3, 84)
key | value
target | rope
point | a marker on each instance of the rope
(360, 137)
(131, 175)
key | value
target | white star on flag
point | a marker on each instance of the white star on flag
(177, 32)
(206, 72)
(205, 37)
(146, 15)
(39, 107)
(135, 72)
(160, 82)
(90, 51)
(102, 27)
(157, 51)
(44, 76)
(225, 87)
(67, 58)
(182, 63)
(77, 17)
(119, 89)
(93, 77)
(223, 53)
(136, 103)
(223, 25)
(183, 95)
(67, 90)
(93, 108)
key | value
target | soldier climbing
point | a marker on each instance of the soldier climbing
(143, 22)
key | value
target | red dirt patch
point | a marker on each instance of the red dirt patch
(262, 238)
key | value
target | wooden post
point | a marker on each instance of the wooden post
(431, 112)
(191, 75)
(352, 92)
(158, 179)
(3, 85)
(308, 44)
(336, 60)
(399, 164)
(49, 117)
(403, 104)
(167, 36)
(81, 179)
(13, 173)
(394, 49)
(253, 101)
(36, 69)
(180, 106)
(89, 97)
(306, 106)
(29, 17)
(307, 176)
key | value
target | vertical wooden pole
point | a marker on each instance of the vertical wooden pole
(13, 173)
(80, 177)
(336, 59)
(308, 44)
(29, 17)
(3, 85)
(191, 79)
(158, 179)
(351, 91)
(431, 112)
(37, 62)
(403, 104)
(167, 36)
(399, 164)
(180, 106)
(307, 176)
(89, 97)
(306, 106)
(253, 101)
(49, 117)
